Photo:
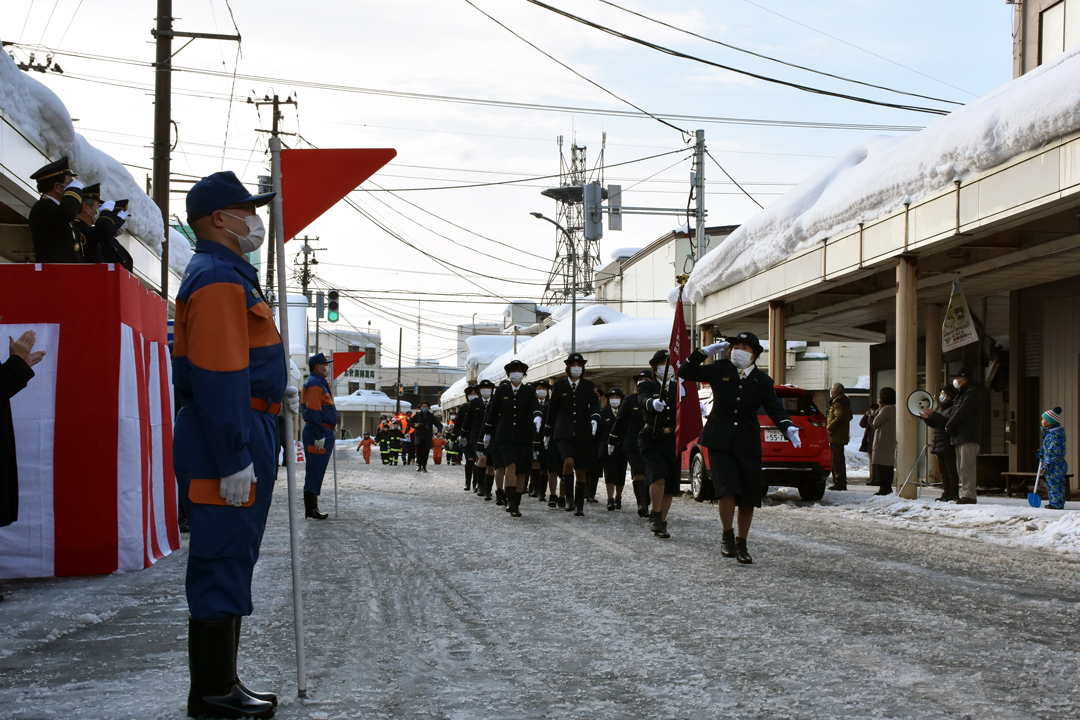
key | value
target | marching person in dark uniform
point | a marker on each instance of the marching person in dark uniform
(229, 371)
(51, 218)
(573, 420)
(732, 434)
(484, 466)
(596, 468)
(513, 419)
(320, 421)
(656, 443)
(540, 463)
(468, 415)
(612, 457)
(425, 425)
(394, 441)
(624, 434)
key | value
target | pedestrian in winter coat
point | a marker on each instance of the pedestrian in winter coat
(884, 452)
(941, 445)
(838, 426)
(965, 430)
(732, 434)
(424, 427)
(1052, 457)
(867, 444)
(15, 373)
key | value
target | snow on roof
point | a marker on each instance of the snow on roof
(880, 174)
(371, 400)
(624, 252)
(45, 121)
(454, 391)
(617, 332)
(485, 348)
(562, 312)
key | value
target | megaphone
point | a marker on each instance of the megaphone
(920, 400)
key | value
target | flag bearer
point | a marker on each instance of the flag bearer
(513, 418)
(572, 423)
(51, 217)
(229, 373)
(320, 421)
(656, 443)
(732, 434)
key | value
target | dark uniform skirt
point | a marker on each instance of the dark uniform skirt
(583, 452)
(736, 475)
(615, 468)
(633, 456)
(660, 459)
(504, 452)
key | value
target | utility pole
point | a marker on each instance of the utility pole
(699, 192)
(164, 34)
(397, 390)
(274, 132)
(418, 332)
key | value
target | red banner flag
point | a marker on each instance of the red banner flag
(688, 408)
(342, 361)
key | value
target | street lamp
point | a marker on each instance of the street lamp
(573, 297)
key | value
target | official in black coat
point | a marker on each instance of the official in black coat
(572, 423)
(100, 224)
(15, 373)
(484, 473)
(513, 419)
(624, 433)
(426, 425)
(544, 472)
(656, 442)
(732, 434)
(612, 457)
(51, 217)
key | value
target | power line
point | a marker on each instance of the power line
(733, 180)
(776, 60)
(77, 8)
(729, 68)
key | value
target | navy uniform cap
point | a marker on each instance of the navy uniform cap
(749, 338)
(91, 192)
(644, 375)
(485, 383)
(575, 358)
(660, 356)
(60, 167)
(515, 363)
(318, 359)
(218, 191)
(615, 392)
(542, 384)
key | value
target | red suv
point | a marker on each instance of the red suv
(782, 464)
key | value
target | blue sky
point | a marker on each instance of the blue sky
(955, 50)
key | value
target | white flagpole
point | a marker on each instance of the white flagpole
(290, 457)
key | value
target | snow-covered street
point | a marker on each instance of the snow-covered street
(423, 601)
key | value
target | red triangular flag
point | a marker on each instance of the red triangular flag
(688, 413)
(342, 361)
(313, 181)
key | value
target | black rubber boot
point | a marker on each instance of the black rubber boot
(568, 485)
(641, 492)
(500, 497)
(610, 504)
(727, 544)
(514, 500)
(311, 507)
(581, 494)
(468, 476)
(489, 482)
(214, 692)
(657, 525)
(265, 697)
(740, 551)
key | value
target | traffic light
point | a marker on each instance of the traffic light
(594, 213)
(332, 314)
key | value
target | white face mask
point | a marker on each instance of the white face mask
(575, 371)
(541, 394)
(256, 232)
(515, 377)
(956, 384)
(485, 393)
(741, 359)
(614, 402)
(943, 398)
(471, 398)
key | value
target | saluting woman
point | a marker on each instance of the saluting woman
(732, 434)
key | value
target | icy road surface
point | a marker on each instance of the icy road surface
(423, 601)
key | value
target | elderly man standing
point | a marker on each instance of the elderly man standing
(229, 373)
(838, 425)
(965, 429)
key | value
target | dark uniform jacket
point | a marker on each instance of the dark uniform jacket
(55, 238)
(472, 427)
(628, 424)
(732, 425)
(572, 411)
(14, 375)
(607, 421)
(663, 420)
(100, 244)
(542, 407)
(941, 441)
(510, 415)
(424, 423)
(965, 424)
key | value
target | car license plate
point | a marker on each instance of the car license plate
(774, 436)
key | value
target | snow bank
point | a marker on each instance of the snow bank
(45, 120)
(372, 400)
(880, 174)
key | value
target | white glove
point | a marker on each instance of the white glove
(610, 449)
(487, 440)
(123, 214)
(658, 405)
(546, 441)
(320, 444)
(75, 184)
(536, 455)
(537, 422)
(793, 435)
(716, 347)
(236, 488)
(292, 399)
(594, 427)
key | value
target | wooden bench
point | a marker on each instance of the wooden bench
(1018, 482)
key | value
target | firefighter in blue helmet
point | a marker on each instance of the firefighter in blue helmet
(320, 419)
(229, 374)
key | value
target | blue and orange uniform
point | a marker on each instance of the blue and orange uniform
(229, 372)
(320, 419)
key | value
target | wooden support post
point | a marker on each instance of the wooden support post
(933, 374)
(777, 344)
(907, 370)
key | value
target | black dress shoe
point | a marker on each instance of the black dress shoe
(884, 490)
(838, 488)
(727, 544)
(500, 497)
(611, 504)
(618, 503)
(561, 502)
(740, 552)
(552, 502)
(966, 501)
(642, 511)
(658, 526)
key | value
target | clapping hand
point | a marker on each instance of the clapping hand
(24, 346)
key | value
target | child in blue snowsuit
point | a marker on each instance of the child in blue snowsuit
(1052, 457)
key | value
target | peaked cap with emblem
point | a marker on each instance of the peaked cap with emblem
(61, 167)
(748, 338)
(516, 364)
(91, 192)
(575, 358)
